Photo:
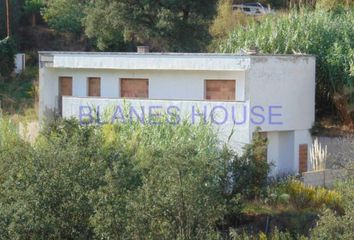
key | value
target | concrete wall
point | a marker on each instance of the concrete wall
(287, 82)
(179, 85)
(324, 178)
(20, 62)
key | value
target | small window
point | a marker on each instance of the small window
(223, 90)
(134, 88)
(94, 87)
(65, 86)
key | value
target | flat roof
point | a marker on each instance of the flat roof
(153, 61)
(177, 54)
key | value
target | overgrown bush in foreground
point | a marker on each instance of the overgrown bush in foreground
(121, 181)
(111, 182)
(338, 226)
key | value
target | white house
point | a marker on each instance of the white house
(236, 93)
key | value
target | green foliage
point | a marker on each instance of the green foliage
(98, 17)
(250, 171)
(274, 235)
(303, 197)
(64, 15)
(164, 25)
(180, 190)
(33, 6)
(19, 93)
(7, 57)
(115, 181)
(333, 4)
(334, 226)
(328, 35)
(227, 19)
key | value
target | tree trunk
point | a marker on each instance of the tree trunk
(8, 18)
(33, 20)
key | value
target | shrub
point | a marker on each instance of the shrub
(7, 56)
(250, 171)
(19, 93)
(303, 197)
(180, 195)
(335, 226)
(115, 181)
(227, 19)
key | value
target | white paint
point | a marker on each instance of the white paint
(286, 81)
(20, 62)
(148, 61)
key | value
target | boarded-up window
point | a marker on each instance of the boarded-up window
(94, 87)
(223, 90)
(134, 88)
(303, 153)
(65, 86)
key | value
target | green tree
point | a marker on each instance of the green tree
(164, 25)
(251, 170)
(7, 57)
(64, 15)
(33, 8)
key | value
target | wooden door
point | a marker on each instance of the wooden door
(94, 87)
(303, 156)
(134, 88)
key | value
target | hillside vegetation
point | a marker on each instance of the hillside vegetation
(132, 181)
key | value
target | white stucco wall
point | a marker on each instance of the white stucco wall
(179, 85)
(281, 151)
(288, 84)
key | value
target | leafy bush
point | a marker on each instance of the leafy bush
(333, 225)
(303, 197)
(115, 181)
(19, 94)
(7, 57)
(227, 19)
(180, 193)
(250, 171)
(328, 35)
